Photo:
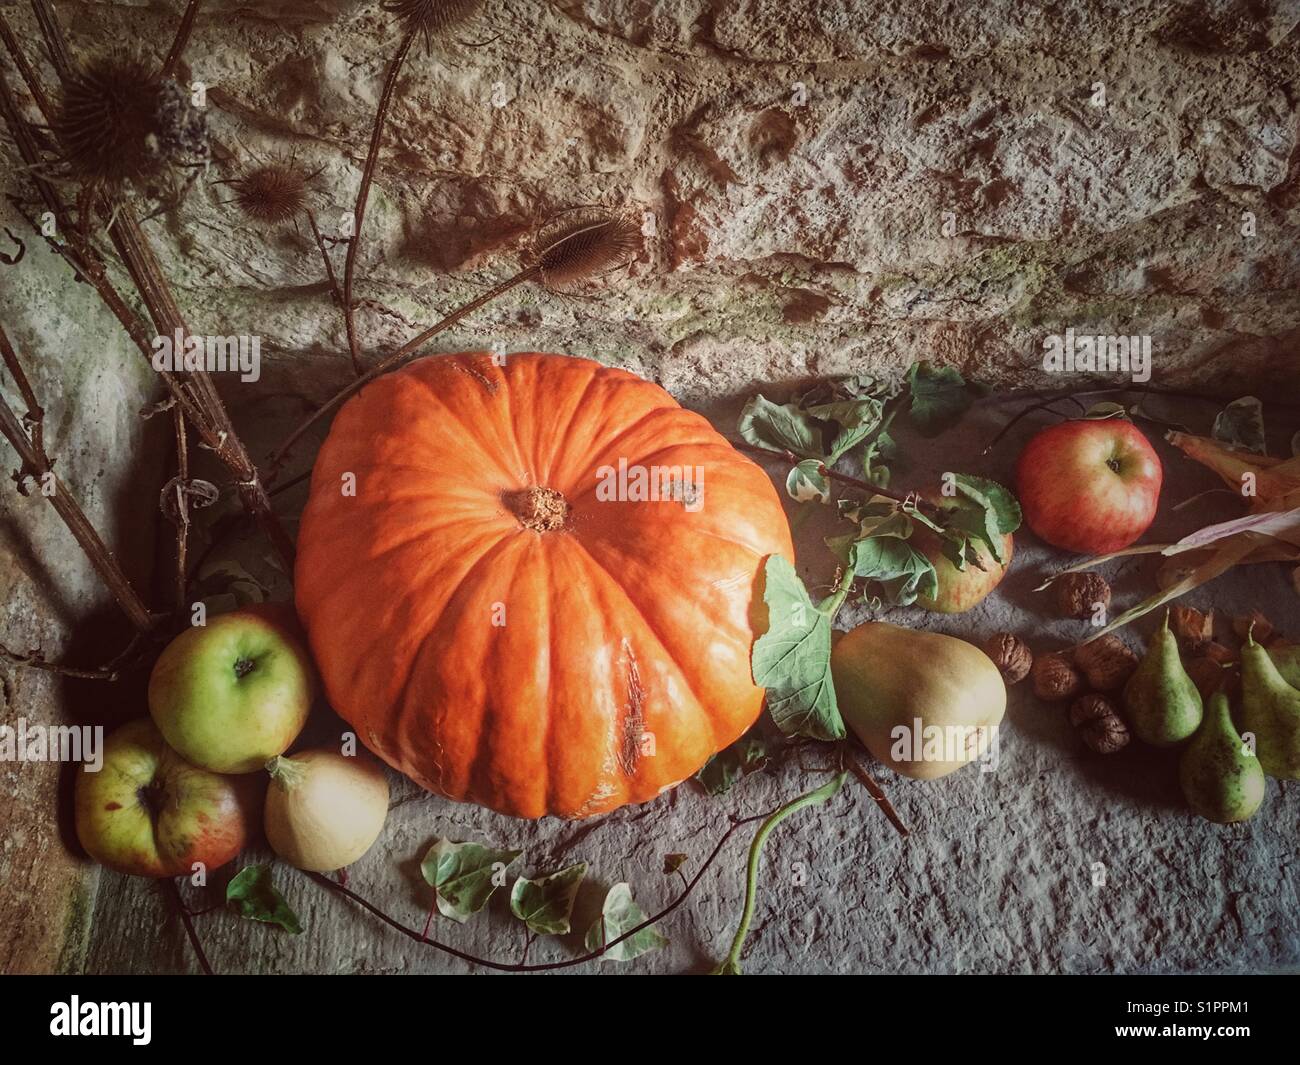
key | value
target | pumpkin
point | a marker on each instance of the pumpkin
(535, 586)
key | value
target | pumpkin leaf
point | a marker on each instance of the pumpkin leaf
(781, 426)
(253, 896)
(619, 915)
(1240, 425)
(464, 876)
(939, 397)
(792, 659)
(806, 483)
(724, 769)
(546, 904)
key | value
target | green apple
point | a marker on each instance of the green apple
(233, 693)
(148, 812)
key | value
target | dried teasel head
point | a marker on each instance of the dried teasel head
(581, 245)
(272, 193)
(433, 18)
(106, 121)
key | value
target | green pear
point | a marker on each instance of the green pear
(1164, 706)
(1287, 660)
(1270, 708)
(1222, 780)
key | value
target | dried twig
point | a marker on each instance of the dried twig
(36, 463)
(877, 793)
(187, 919)
(183, 32)
(363, 192)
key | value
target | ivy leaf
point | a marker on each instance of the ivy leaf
(1240, 425)
(621, 914)
(939, 397)
(783, 427)
(546, 904)
(792, 659)
(673, 862)
(724, 769)
(255, 898)
(807, 484)
(464, 876)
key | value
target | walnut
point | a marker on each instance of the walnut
(1106, 661)
(1193, 628)
(1216, 652)
(1206, 674)
(1077, 594)
(1099, 723)
(1011, 655)
(1054, 678)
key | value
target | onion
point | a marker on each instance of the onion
(323, 811)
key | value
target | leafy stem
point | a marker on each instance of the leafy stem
(831, 606)
(731, 963)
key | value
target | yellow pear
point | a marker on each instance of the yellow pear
(923, 703)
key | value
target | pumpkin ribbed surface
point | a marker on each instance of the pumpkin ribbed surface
(493, 625)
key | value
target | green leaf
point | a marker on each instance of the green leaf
(985, 511)
(903, 573)
(1241, 425)
(939, 397)
(854, 421)
(546, 904)
(807, 484)
(719, 773)
(782, 427)
(882, 446)
(792, 659)
(255, 898)
(619, 915)
(1103, 411)
(464, 876)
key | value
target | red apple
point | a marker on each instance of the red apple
(148, 812)
(1089, 485)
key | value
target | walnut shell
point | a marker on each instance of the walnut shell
(1011, 655)
(1193, 627)
(1054, 678)
(1077, 594)
(1207, 675)
(1099, 724)
(1107, 662)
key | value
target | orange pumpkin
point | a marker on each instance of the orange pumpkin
(498, 628)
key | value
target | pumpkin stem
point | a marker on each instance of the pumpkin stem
(537, 508)
(286, 772)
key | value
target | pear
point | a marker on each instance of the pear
(1287, 660)
(1223, 782)
(1164, 705)
(923, 703)
(1270, 708)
